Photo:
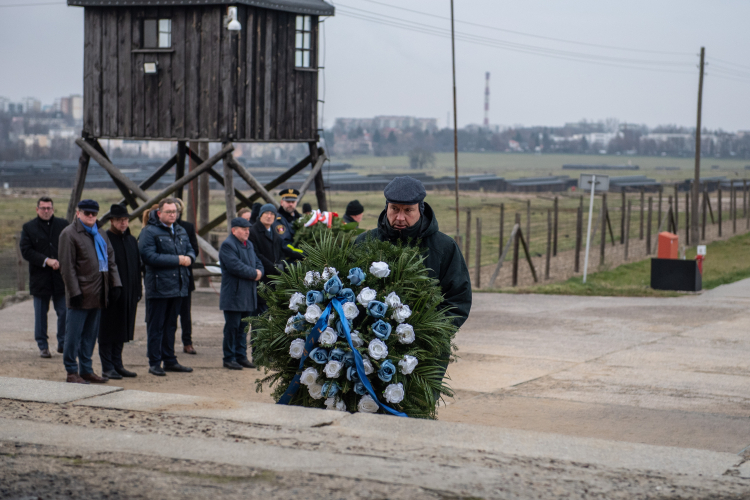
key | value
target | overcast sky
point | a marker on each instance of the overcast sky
(372, 68)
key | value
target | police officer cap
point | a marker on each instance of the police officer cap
(90, 205)
(117, 211)
(268, 207)
(240, 222)
(289, 194)
(405, 191)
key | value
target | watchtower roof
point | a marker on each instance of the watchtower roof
(312, 7)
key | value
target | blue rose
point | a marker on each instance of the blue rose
(359, 388)
(330, 388)
(299, 322)
(387, 370)
(349, 359)
(381, 329)
(319, 355)
(347, 295)
(337, 355)
(351, 374)
(333, 286)
(356, 276)
(313, 297)
(340, 328)
(376, 309)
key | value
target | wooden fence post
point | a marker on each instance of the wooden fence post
(627, 229)
(703, 213)
(640, 233)
(204, 195)
(229, 194)
(658, 216)
(670, 219)
(515, 251)
(744, 197)
(549, 244)
(467, 243)
(648, 225)
(676, 211)
(747, 212)
(554, 235)
(20, 275)
(734, 209)
(579, 237)
(478, 263)
(718, 204)
(687, 218)
(502, 229)
(622, 218)
(604, 229)
(528, 222)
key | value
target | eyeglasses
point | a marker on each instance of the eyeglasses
(44, 209)
(89, 213)
(169, 212)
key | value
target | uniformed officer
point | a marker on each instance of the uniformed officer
(284, 225)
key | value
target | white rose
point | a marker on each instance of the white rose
(401, 314)
(290, 326)
(368, 365)
(297, 348)
(313, 313)
(380, 269)
(366, 295)
(377, 349)
(329, 272)
(351, 310)
(333, 369)
(334, 403)
(367, 404)
(394, 393)
(328, 337)
(316, 390)
(356, 341)
(295, 301)
(405, 333)
(407, 364)
(393, 300)
(308, 377)
(310, 278)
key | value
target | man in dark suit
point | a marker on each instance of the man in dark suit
(39, 240)
(118, 319)
(240, 272)
(186, 320)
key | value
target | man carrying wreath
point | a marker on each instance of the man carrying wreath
(408, 219)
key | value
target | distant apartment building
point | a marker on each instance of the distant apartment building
(378, 123)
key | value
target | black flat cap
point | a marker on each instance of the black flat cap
(118, 211)
(306, 208)
(90, 205)
(405, 191)
(354, 208)
(240, 222)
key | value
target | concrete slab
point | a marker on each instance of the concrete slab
(267, 414)
(487, 373)
(144, 401)
(44, 391)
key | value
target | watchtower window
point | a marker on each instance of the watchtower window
(157, 33)
(303, 33)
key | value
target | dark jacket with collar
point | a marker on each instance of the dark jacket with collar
(117, 323)
(239, 266)
(39, 241)
(79, 267)
(284, 225)
(442, 258)
(160, 250)
(268, 248)
(189, 228)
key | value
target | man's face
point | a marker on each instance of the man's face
(45, 210)
(289, 206)
(87, 217)
(402, 216)
(241, 233)
(357, 218)
(120, 223)
(246, 216)
(168, 214)
(267, 219)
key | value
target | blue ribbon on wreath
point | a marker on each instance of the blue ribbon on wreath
(312, 339)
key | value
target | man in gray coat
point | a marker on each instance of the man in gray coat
(241, 269)
(92, 280)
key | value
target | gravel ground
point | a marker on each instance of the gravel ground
(50, 472)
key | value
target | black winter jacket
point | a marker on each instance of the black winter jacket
(268, 248)
(442, 257)
(39, 240)
(160, 251)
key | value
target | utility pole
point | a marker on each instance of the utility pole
(455, 121)
(696, 182)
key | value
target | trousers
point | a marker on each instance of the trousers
(235, 338)
(186, 320)
(81, 330)
(41, 308)
(161, 326)
(110, 354)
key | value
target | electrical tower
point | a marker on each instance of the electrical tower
(487, 101)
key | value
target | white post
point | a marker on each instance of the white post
(588, 231)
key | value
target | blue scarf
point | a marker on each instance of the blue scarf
(101, 247)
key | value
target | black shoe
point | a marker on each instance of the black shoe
(44, 353)
(246, 363)
(112, 375)
(177, 367)
(125, 373)
(60, 348)
(232, 365)
(156, 370)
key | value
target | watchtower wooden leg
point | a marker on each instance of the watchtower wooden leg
(320, 188)
(75, 195)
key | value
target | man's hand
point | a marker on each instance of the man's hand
(185, 261)
(53, 263)
(260, 275)
(76, 301)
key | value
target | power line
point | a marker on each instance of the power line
(730, 63)
(612, 47)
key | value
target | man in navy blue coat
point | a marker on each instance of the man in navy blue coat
(241, 269)
(167, 254)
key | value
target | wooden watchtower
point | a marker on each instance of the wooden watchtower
(200, 71)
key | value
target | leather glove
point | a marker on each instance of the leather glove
(115, 293)
(76, 301)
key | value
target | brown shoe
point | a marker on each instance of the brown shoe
(94, 378)
(44, 353)
(73, 378)
(189, 349)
